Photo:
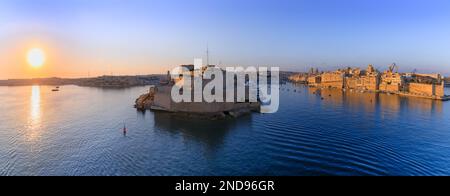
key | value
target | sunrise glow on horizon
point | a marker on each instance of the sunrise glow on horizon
(75, 38)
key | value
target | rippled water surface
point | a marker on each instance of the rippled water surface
(77, 131)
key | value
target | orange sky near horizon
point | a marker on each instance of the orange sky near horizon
(62, 62)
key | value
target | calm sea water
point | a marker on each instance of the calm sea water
(77, 131)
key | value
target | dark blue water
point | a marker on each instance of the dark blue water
(77, 131)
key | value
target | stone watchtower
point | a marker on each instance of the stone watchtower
(439, 88)
(370, 69)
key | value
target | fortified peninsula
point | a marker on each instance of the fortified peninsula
(159, 99)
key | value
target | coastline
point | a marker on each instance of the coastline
(101, 81)
(105, 81)
(404, 94)
(430, 86)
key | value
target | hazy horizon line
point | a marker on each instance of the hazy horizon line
(333, 68)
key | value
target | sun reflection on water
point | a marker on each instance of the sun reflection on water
(35, 114)
(35, 108)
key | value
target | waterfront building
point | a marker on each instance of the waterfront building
(363, 80)
(299, 78)
(333, 79)
(314, 80)
(392, 82)
(430, 85)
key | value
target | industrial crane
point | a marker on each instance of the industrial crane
(393, 67)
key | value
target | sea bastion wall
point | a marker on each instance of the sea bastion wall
(332, 79)
(421, 89)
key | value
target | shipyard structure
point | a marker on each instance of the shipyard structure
(390, 81)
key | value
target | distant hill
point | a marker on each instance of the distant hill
(38, 81)
(121, 81)
(105, 81)
(102, 81)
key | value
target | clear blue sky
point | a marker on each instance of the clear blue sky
(152, 35)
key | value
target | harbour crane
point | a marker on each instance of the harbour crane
(393, 67)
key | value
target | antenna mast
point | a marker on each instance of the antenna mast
(207, 55)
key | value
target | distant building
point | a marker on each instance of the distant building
(332, 79)
(392, 82)
(426, 85)
(188, 67)
(167, 79)
(363, 80)
(314, 80)
(299, 78)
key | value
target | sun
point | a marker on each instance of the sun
(36, 57)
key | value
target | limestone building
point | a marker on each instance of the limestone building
(426, 85)
(392, 82)
(333, 79)
(363, 80)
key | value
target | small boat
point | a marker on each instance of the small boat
(55, 89)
